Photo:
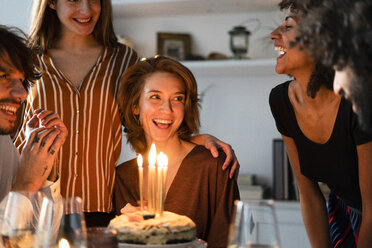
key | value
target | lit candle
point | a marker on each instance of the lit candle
(151, 180)
(63, 243)
(165, 170)
(162, 172)
(140, 176)
(159, 191)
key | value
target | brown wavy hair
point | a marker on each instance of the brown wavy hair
(130, 89)
(13, 46)
(45, 26)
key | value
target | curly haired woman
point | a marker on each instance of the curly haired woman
(322, 137)
(343, 31)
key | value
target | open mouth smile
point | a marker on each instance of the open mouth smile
(83, 20)
(281, 51)
(162, 123)
(9, 111)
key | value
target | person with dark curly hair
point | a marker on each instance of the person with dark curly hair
(322, 137)
(343, 31)
(344, 40)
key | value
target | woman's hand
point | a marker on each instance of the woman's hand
(132, 212)
(129, 209)
(213, 144)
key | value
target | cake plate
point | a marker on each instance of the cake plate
(198, 243)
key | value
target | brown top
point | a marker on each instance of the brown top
(200, 190)
(91, 114)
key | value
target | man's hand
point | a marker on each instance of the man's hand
(47, 119)
(41, 150)
(213, 144)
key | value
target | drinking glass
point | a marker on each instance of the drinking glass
(48, 222)
(72, 222)
(254, 225)
(18, 219)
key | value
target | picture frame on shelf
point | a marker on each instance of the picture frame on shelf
(174, 45)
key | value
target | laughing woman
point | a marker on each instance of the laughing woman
(322, 137)
(158, 97)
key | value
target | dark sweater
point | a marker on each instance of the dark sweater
(200, 190)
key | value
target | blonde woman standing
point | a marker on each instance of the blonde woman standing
(81, 64)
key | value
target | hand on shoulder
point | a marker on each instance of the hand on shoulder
(213, 145)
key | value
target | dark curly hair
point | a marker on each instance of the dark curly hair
(299, 6)
(13, 46)
(131, 86)
(322, 75)
(339, 34)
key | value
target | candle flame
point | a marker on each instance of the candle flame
(139, 160)
(162, 160)
(63, 243)
(152, 155)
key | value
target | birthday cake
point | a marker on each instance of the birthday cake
(171, 228)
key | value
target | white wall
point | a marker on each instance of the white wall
(209, 32)
(235, 109)
(16, 13)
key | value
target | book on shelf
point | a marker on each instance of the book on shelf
(251, 192)
(246, 179)
(284, 183)
(248, 189)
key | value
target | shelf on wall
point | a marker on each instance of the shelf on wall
(232, 67)
(141, 8)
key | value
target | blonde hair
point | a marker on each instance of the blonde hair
(45, 26)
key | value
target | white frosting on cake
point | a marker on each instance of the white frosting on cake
(170, 228)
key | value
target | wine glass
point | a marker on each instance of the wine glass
(18, 219)
(73, 228)
(254, 225)
(48, 223)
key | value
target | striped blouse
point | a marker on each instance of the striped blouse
(88, 158)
